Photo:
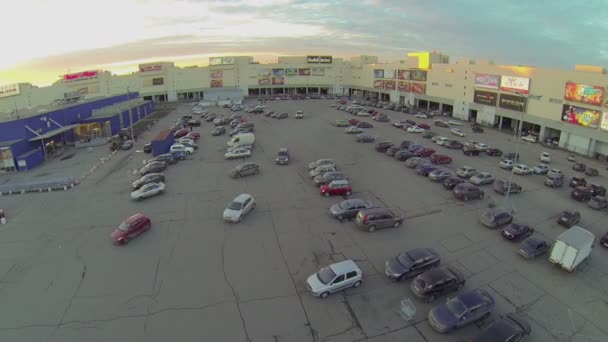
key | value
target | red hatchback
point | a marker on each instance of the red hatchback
(130, 228)
(440, 159)
(336, 188)
(424, 126)
(353, 122)
(193, 135)
(181, 132)
(425, 152)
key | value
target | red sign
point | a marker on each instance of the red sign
(378, 84)
(418, 88)
(404, 86)
(80, 75)
(390, 85)
(583, 93)
(150, 67)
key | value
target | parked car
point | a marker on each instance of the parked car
(581, 194)
(482, 178)
(591, 172)
(529, 138)
(282, 156)
(239, 146)
(320, 162)
(424, 152)
(453, 144)
(457, 132)
(194, 123)
(451, 182)
(238, 153)
(240, 206)
(540, 169)
(392, 150)
(148, 148)
(494, 152)
(470, 151)
(383, 146)
(545, 158)
(415, 129)
(428, 134)
(353, 130)
(130, 228)
(466, 172)
(245, 169)
(180, 133)
(342, 123)
(555, 173)
(414, 147)
(579, 167)
(348, 209)
(466, 308)
(165, 158)
(604, 240)
(577, 181)
(364, 124)
(506, 164)
(521, 169)
(511, 156)
(219, 130)
(399, 123)
(510, 328)
(477, 129)
(363, 138)
(439, 175)
(181, 149)
(467, 191)
(441, 123)
(425, 169)
(436, 282)
(149, 178)
(334, 278)
(411, 263)
(153, 167)
(339, 187)
(495, 217)
(327, 177)
(598, 203)
(440, 159)
(517, 231)
(415, 162)
(569, 218)
(533, 247)
(282, 115)
(403, 155)
(148, 190)
(378, 218)
(597, 190)
(321, 170)
(505, 187)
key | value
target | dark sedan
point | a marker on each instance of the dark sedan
(577, 181)
(383, 146)
(464, 309)
(411, 263)
(425, 169)
(581, 194)
(392, 150)
(153, 167)
(452, 181)
(533, 247)
(511, 328)
(579, 167)
(437, 282)
(597, 190)
(166, 158)
(494, 152)
(504, 187)
(364, 138)
(348, 209)
(329, 177)
(467, 191)
(592, 172)
(403, 155)
(517, 232)
(149, 178)
(454, 145)
(495, 217)
(569, 218)
(439, 175)
(598, 203)
(218, 131)
(364, 124)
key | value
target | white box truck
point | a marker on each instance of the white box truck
(571, 248)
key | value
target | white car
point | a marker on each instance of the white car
(415, 129)
(482, 178)
(239, 147)
(555, 173)
(506, 164)
(457, 132)
(320, 162)
(238, 153)
(482, 147)
(239, 207)
(362, 113)
(521, 169)
(148, 190)
(181, 148)
(353, 130)
(541, 169)
(333, 278)
(321, 170)
(529, 138)
(437, 138)
(422, 116)
(333, 105)
(466, 172)
(545, 158)
(187, 141)
(455, 123)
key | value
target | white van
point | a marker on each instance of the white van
(242, 138)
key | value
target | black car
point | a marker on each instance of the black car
(282, 156)
(451, 182)
(569, 218)
(579, 167)
(411, 263)
(411, 122)
(437, 282)
(149, 178)
(153, 167)
(218, 130)
(581, 194)
(428, 134)
(597, 190)
(328, 177)
(470, 151)
(510, 328)
(403, 155)
(148, 148)
(257, 111)
(533, 247)
(504, 187)
(364, 138)
(441, 123)
(392, 150)
(477, 129)
(494, 152)
(453, 144)
(282, 116)
(517, 232)
(577, 181)
(591, 172)
(348, 209)
(166, 157)
(383, 146)
(511, 156)
(194, 123)
(405, 144)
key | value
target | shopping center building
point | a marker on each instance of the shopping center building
(567, 105)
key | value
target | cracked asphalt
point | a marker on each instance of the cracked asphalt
(193, 277)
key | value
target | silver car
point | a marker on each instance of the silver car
(333, 278)
(245, 169)
(482, 178)
(239, 207)
(320, 170)
(324, 161)
(148, 190)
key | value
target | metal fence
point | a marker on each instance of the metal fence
(41, 185)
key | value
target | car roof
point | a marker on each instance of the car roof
(242, 198)
(374, 210)
(344, 267)
(421, 253)
(340, 181)
(437, 274)
(503, 328)
(474, 298)
(134, 218)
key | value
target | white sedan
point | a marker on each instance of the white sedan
(482, 147)
(457, 132)
(521, 169)
(181, 148)
(415, 129)
(455, 123)
(362, 113)
(148, 190)
(238, 153)
(421, 115)
(529, 138)
(239, 207)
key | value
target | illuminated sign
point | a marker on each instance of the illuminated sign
(80, 76)
(515, 84)
(485, 98)
(9, 90)
(581, 116)
(150, 67)
(487, 81)
(319, 59)
(583, 93)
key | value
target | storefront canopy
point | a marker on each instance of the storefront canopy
(52, 133)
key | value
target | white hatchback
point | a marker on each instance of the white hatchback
(334, 278)
(521, 169)
(239, 207)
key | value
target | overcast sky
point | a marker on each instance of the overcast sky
(44, 39)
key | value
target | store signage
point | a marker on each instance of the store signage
(418, 75)
(221, 60)
(513, 102)
(583, 93)
(404, 86)
(150, 67)
(80, 76)
(278, 72)
(9, 90)
(487, 81)
(158, 81)
(581, 116)
(403, 74)
(418, 88)
(604, 125)
(319, 59)
(515, 84)
(378, 84)
(217, 74)
(216, 83)
(389, 85)
(485, 98)
(390, 73)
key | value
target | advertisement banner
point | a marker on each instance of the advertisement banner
(389, 73)
(291, 71)
(583, 93)
(319, 59)
(278, 72)
(158, 81)
(512, 102)
(317, 71)
(83, 91)
(485, 98)
(515, 84)
(378, 73)
(378, 84)
(487, 81)
(419, 88)
(216, 83)
(403, 74)
(227, 60)
(304, 71)
(278, 80)
(215, 60)
(404, 86)
(581, 116)
(390, 85)
(604, 125)
(217, 74)
(264, 76)
(80, 75)
(150, 67)
(9, 90)
(418, 75)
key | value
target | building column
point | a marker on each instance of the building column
(500, 117)
(428, 106)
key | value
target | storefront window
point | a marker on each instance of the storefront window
(90, 131)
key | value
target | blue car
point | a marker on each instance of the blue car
(414, 147)
(425, 169)
(464, 309)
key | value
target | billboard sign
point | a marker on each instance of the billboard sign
(304, 71)
(513, 102)
(404, 86)
(604, 125)
(390, 85)
(9, 90)
(80, 76)
(403, 74)
(319, 59)
(215, 60)
(216, 83)
(317, 71)
(278, 80)
(389, 73)
(419, 88)
(487, 81)
(485, 98)
(581, 116)
(378, 84)
(291, 71)
(150, 67)
(263, 76)
(217, 74)
(278, 72)
(583, 93)
(418, 75)
(158, 81)
(515, 84)
(227, 60)
(378, 73)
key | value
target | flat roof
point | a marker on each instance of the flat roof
(52, 133)
(9, 142)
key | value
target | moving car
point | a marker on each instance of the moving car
(466, 172)
(324, 161)
(411, 263)
(282, 156)
(437, 282)
(240, 206)
(238, 153)
(503, 187)
(299, 114)
(598, 203)
(282, 116)
(569, 218)
(148, 190)
(130, 228)
(149, 178)
(495, 217)
(440, 159)
(339, 187)
(466, 308)
(348, 209)
(334, 278)
(153, 167)
(363, 138)
(510, 328)
(451, 182)
(245, 169)
(219, 130)
(533, 247)
(517, 232)
(457, 132)
(467, 191)
(378, 218)
(482, 178)
(521, 169)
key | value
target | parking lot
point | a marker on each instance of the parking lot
(194, 277)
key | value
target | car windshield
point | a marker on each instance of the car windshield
(456, 307)
(344, 205)
(405, 260)
(531, 243)
(326, 275)
(124, 227)
(235, 205)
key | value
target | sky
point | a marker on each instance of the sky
(45, 39)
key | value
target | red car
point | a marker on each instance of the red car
(342, 102)
(440, 159)
(130, 228)
(336, 188)
(353, 122)
(181, 132)
(425, 152)
(424, 126)
(193, 135)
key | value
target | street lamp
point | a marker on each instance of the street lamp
(130, 113)
(516, 141)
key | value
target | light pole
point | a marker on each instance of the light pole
(516, 136)
(130, 113)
